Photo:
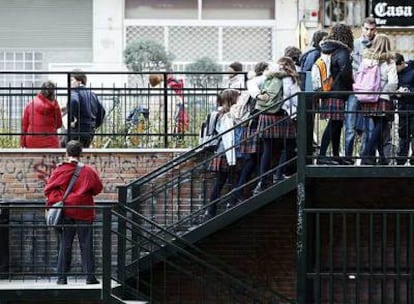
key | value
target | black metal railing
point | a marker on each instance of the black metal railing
(139, 115)
(396, 118)
(29, 248)
(177, 194)
(177, 269)
(359, 256)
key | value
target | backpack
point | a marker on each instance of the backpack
(208, 131)
(274, 88)
(367, 79)
(243, 108)
(322, 79)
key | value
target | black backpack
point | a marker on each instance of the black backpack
(208, 131)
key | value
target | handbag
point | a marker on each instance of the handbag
(54, 215)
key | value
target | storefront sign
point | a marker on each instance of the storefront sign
(393, 12)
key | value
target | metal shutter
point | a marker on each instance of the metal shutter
(46, 24)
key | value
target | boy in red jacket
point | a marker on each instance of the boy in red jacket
(75, 221)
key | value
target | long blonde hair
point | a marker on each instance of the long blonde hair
(381, 48)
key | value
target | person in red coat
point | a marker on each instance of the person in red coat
(42, 115)
(75, 221)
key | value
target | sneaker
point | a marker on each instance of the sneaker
(62, 281)
(347, 161)
(207, 216)
(323, 160)
(92, 281)
(258, 189)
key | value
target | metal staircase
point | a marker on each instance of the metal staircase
(160, 217)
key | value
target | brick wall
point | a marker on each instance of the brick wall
(23, 172)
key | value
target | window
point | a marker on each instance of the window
(161, 9)
(238, 9)
(17, 89)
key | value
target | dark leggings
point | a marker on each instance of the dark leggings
(249, 166)
(332, 134)
(271, 147)
(219, 182)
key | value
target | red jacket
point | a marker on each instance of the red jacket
(86, 186)
(41, 115)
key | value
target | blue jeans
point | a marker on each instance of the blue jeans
(356, 121)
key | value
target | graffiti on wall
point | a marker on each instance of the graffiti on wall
(24, 174)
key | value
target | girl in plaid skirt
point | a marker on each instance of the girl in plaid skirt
(249, 145)
(339, 44)
(225, 160)
(278, 130)
(381, 111)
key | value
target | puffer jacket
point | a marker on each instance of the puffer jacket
(341, 66)
(41, 115)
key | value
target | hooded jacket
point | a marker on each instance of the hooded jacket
(41, 115)
(341, 66)
(86, 186)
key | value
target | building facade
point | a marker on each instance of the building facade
(91, 34)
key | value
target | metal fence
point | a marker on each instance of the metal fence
(359, 256)
(165, 114)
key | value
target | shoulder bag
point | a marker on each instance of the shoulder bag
(54, 215)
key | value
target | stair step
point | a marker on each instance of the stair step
(119, 300)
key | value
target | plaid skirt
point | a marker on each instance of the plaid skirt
(332, 108)
(381, 108)
(250, 140)
(276, 126)
(219, 164)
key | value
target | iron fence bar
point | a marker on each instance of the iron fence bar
(344, 255)
(410, 258)
(121, 241)
(318, 285)
(384, 256)
(371, 256)
(397, 258)
(106, 255)
(358, 256)
(331, 256)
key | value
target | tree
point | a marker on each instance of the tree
(146, 55)
(205, 65)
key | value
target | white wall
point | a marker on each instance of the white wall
(286, 25)
(108, 32)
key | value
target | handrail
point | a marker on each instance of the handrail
(179, 244)
(183, 157)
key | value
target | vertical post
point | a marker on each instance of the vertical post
(122, 197)
(301, 221)
(68, 78)
(4, 239)
(165, 110)
(106, 254)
